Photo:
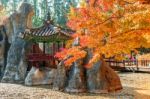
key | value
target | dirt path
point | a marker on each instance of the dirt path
(136, 86)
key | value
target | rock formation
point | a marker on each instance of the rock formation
(40, 77)
(4, 45)
(16, 65)
(100, 78)
(76, 77)
(60, 77)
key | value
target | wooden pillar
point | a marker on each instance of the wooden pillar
(53, 48)
(44, 47)
(34, 48)
(44, 62)
(53, 52)
(58, 46)
(63, 44)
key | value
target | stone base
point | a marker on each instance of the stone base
(98, 91)
(75, 90)
(40, 77)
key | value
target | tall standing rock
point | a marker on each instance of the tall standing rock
(76, 79)
(4, 45)
(60, 79)
(16, 65)
(2, 49)
(100, 77)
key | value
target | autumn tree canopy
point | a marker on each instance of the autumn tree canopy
(107, 27)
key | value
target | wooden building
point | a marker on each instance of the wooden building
(46, 41)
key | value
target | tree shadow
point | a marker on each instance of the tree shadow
(125, 93)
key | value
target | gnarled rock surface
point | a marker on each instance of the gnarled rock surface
(16, 65)
(102, 79)
(4, 46)
(60, 78)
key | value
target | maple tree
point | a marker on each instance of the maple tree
(107, 27)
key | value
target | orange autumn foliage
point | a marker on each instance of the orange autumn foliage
(108, 27)
(75, 53)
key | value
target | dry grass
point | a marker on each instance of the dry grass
(135, 86)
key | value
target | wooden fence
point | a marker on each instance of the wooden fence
(129, 64)
(145, 63)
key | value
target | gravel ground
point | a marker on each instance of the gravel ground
(135, 86)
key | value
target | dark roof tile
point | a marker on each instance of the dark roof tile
(46, 30)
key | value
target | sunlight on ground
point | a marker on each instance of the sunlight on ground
(135, 86)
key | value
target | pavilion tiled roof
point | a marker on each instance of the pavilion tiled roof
(46, 31)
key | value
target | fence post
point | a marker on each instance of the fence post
(109, 62)
(137, 65)
(124, 63)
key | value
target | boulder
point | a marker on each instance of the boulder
(37, 76)
(100, 77)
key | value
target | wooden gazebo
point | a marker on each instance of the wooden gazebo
(52, 38)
